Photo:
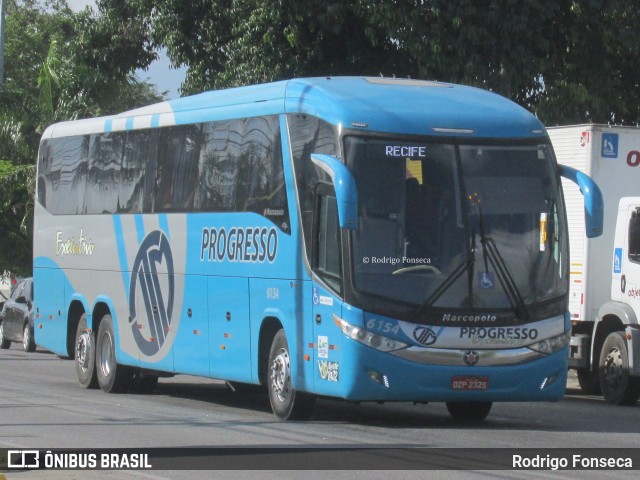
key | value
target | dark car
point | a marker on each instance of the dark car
(16, 318)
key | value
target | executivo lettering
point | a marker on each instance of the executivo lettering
(81, 246)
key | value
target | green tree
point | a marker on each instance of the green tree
(57, 67)
(569, 61)
(236, 42)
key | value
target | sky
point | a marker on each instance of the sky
(159, 72)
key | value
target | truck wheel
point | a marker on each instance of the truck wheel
(4, 343)
(28, 343)
(85, 355)
(112, 377)
(589, 381)
(469, 411)
(286, 402)
(618, 387)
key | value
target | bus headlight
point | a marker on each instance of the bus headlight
(384, 344)
(553, 344)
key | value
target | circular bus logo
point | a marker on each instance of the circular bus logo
(425, 336)
(152, 279)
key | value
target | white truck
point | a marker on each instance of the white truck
(605, 270)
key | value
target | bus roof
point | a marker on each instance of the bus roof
(366, 103)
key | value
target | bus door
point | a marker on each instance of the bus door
(327, 265)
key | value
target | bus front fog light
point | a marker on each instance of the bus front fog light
(378, 378)
(550, 380)
(375, 376)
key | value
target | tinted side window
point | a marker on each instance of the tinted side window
(63, 171)
(177, 169)
(227, 166)
(140, 158)
(218, 166)
(261, 186)
(103, 176)
(240, 169)
(310, 135)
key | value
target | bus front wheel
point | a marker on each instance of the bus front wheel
(286, 402)
(469, 411)
(112, 377)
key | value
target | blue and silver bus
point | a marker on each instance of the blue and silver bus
(369, 239)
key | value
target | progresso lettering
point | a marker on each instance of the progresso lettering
(239, 244)
(499, 333)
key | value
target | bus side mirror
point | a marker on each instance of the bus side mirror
(593, 202)
(345, 187)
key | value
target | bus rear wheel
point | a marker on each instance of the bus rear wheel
(286, 402)
(85, 355)
(469, 411)
(112, 377)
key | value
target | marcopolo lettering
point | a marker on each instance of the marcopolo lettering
(501, 333)
(447, 317)
(239, 244)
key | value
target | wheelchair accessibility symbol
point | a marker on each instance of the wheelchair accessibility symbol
(487, 280)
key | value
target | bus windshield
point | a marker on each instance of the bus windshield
(461, 227)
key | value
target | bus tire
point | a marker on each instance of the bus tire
(286, 402)
(469, 411)
(28, 343)
(85, 355)
(618, 387)
(112, 377)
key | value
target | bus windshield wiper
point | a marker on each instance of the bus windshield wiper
(492, 254)
(466, 266)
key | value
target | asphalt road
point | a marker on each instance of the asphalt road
(42, 406)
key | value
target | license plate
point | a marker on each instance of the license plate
(469, 383)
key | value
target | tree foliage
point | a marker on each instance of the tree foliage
(53, 72)
(569, 61)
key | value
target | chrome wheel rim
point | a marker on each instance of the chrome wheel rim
(280, 375)
(613, 368)
(83, 350)
(26, 337)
